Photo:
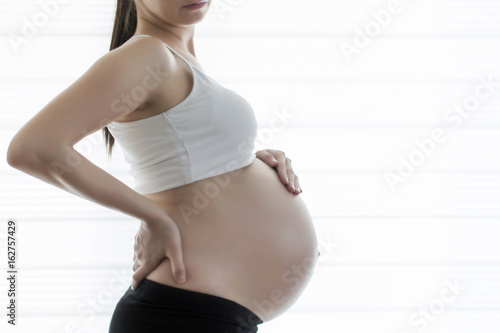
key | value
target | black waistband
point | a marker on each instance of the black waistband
(194, 302)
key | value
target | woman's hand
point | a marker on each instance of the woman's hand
(277, 159)
(154, 241)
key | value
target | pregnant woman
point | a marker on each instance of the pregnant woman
(225, 242)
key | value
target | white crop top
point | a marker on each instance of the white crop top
(209, 133)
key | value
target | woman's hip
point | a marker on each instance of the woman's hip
(155, 307)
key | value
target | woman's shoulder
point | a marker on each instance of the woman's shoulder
(143, 52)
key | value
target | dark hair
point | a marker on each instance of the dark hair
(124, 27)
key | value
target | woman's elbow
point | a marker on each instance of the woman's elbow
(22, 155)
(14, 154)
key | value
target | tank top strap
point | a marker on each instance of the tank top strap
(180, 56)
(171, 49)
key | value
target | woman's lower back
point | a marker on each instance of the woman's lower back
(244, 238)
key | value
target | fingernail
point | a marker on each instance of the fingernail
(132, 288)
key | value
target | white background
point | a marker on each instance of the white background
(388, 257)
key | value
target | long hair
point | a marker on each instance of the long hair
(123, 28)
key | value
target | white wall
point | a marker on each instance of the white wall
(389, 255)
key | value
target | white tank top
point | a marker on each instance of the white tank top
(209, 133)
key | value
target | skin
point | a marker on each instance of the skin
(43, 147)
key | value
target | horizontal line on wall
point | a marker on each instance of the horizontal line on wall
(456, 171)
(348, 127)
(107, 314)
(126, 219)
(469, 81)
(293, 34)
(387, 309)
(11, 179)
(358, 126)
(406, 263)
(314, 217)
(353, 127)
(329, 263)
(404, 217)
(44, 267)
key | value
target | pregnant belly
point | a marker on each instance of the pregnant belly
(244, 238)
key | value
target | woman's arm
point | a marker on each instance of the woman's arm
(43, 147)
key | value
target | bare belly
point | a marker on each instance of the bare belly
(244, 238)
